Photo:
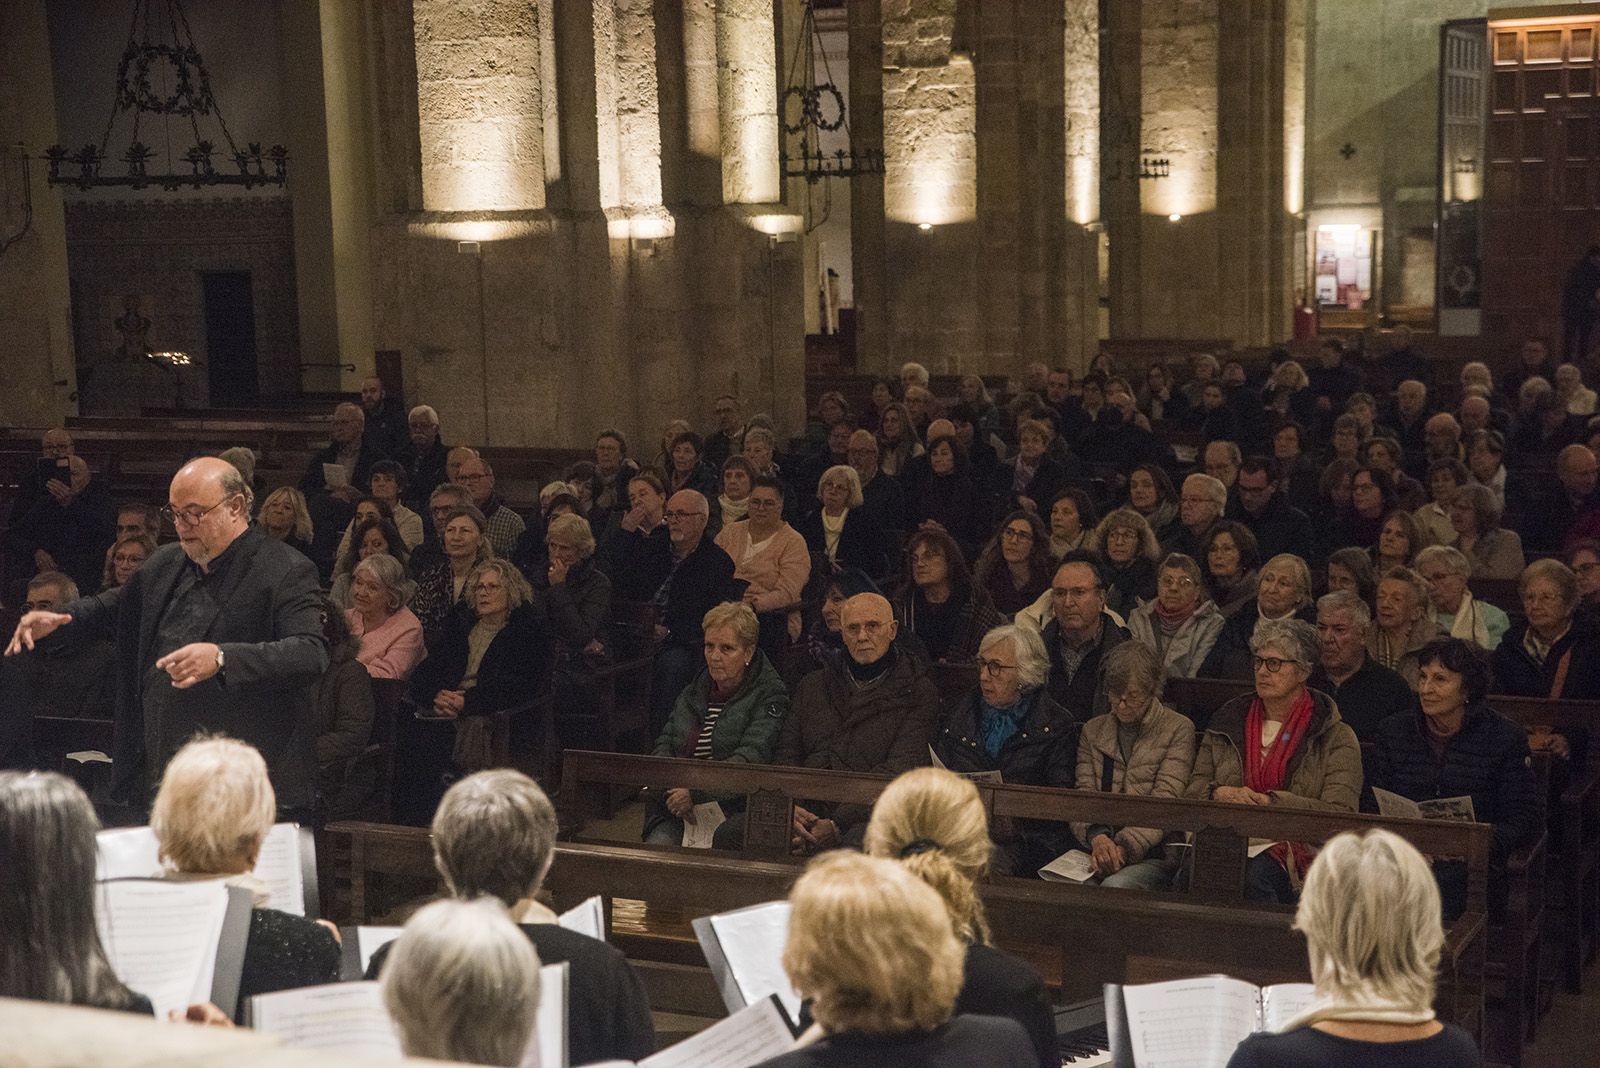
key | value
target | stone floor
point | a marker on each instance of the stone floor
(1569, 1034)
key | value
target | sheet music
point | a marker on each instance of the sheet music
(549, 1046)
(1073, 866)
(750, 1036)
(162, 937)
(370, 939)
(707, 818)
(134, 853)
(1283, 1002)
(752, 940)
(344, 1017)
(586, 918)
(1190, 1023)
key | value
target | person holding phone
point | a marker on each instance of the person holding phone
(67, 527)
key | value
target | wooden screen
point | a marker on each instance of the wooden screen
(1542, 196)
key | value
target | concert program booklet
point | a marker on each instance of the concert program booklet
(1457, 809)
(1195, 1023)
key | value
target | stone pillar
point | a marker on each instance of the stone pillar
(36, 314)
(747, 94)
(1078, 334)
(1003, 176)
(637, 105)
(868, 226)
(481, 117)
(691, 129)
(1121, 128)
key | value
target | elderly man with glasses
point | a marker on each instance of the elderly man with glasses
(220, 631)
(699, 578)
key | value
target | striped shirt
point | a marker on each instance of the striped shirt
(702, 744)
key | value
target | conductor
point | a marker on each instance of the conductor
(221, 632)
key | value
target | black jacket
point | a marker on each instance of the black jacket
(515, 668)
(313, 481)
(1043, 752)
(1367, 698)
(637, 564)
(861, 542)
(885, 499)
(1231, 658)
(1049, 478)
(574, 612)
(956, 502)
(608, 1012)
(425, 472)
(700, 582)
(269, 626)
(76, 535)
(1516, 673)
(1082, 696)
(1126, 586)
(1487, 760)
(962, 1042)
(998, 984)
(1281, 528)
(284, 952)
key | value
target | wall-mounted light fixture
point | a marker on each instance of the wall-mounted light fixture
(1175, 217)
(924, 226)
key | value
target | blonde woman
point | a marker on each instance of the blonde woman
(1370, 914)
(932, 822)
(871, 946)
(283, 516)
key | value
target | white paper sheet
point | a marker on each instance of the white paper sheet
(343, 1017)
(1283, 1002)
(335, 476)
(707, 818)
(370, 939)
(549, 1046)
(162, 937)
(586, 918)
(1259, 846)
(752, 940)
(1392, 804)
(133, 853)
(1190, 1023)
(754, 1034)
(1073, 866)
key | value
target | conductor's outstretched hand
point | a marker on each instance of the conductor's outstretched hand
(33, 626)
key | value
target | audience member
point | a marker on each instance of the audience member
(1128, 552)
(210, 818)
(463, 985)
(1080, 633)
(612, 470)
(872, 710)
(1485, 459)
(346, 463)
(67, 528)
(283, 517)
(881, 494)
(442, 588)
(50, 945)
(375, 534)
(1398, 542)
(1199, 508)
(1569, 508)
(502, 526)
(390, 633)
(733, 503)
(571, 602)
(841, 531)
(422, 457)
(771, 558)
(345, 715)
(128, 554)
(1071, 521)
(1182, 624)
(494, 837)
(1230, 565)
(73, 680)
(1282, 592)
(1284, 744)
(445, 498)
(1350, 569)
(1583, 557)
(1031, 479)
(1404, 622)
(384, 433)
(732, 712)
(688, 470)
(1455, 610)
(933, 823)
(939, 602)
(636, 551)
(1221, 460)
(726, 438)
(1550, 652)
(947, 497)
(56, 447)
(139, 520)
(1014, 569)
(761, 449)
(872, 948)
(1151, 494)
(1010, 724)
(1453, 744)
(1370, 913)
(1495, 552)
(1278, 526)
(1141, 748)
(1365, 692)
(699, 577)
(1445, 479)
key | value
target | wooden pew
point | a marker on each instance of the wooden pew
(1219, 930)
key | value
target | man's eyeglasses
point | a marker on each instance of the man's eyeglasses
(479, 477)
(671, 515)
(1273, 664)
(191, 515)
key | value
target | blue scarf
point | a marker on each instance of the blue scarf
(997, 725)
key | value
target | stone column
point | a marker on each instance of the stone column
(481, 117)
(1121, 127)
(868, 226)
(691, 129)
(747, 94)
(36, 314)
(1003, 184)
(1078, 333)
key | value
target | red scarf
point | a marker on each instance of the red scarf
(1267, 772)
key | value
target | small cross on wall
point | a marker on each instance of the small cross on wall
(1348, 150)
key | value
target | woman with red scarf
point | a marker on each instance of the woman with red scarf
(1283, 745)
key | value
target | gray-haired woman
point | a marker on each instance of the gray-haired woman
(1182, 624)
(1495, 552)
(1285, 744)
(1012, 725)
(1141, 748)
(390, 633)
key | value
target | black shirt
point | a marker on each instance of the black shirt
(1306, 1047)
(963, 1041)
(1367, 698)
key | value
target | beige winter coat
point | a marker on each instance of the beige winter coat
(1157, 766)
(1324, 773)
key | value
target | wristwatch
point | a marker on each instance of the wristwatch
(219, 660)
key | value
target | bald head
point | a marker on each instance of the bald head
(1442, 435)
(1475, 413)
(455, 458)
(688, 512)
(1577, 469)
(56, 443)
(868, 624)
(863, 454)
(210, 503)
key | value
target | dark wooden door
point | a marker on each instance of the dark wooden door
(230, 338)
(1542, 198)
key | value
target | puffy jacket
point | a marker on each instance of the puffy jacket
(573, 612)
(747, 728)
(1516, 673)
(1157, 766)
(1042, 752)
(1188, 648)
(883, 727)
(1325, 772)
(1487, 759)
